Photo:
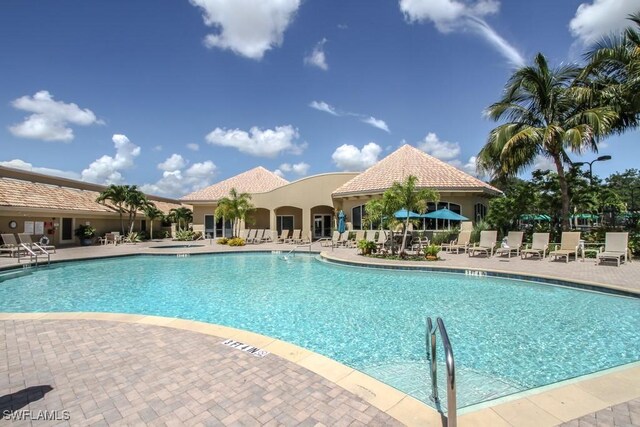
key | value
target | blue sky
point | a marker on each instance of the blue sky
(176, 95)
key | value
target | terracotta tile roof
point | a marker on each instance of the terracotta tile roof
(408, 160)
(257, 180)
(14, 192)
(27, 194)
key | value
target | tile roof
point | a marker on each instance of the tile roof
(256, 180)
(27, 194)
(408, 160)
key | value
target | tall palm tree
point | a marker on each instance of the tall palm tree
(181, 215)
(614, 69)
(117, 196)
(407, 195)
(135, 201)
(548, 113)
(234, 208)
(153, 213)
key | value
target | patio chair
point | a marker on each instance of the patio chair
(307, 239)
(539, 246)
(460, 244)
(569, 244)
(417, 242)
(382, 239)
(270, 236)
(360, 235)
(295, 237)
(10, 245)
(251, 236)
(513, 244)
(244, 234)
(26, 239)
(284, 235)
(343, 239)
(259, 235)
(616, 247)
(487, 244)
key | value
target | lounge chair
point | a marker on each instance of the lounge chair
(270, 236)
(539, 246)
(513, 244)
(259, 235)
(460, 244)
(10, 245)
(284, 235)
(417, 242)
(26, 239)
(360, 235)
(616, 247)
(488, 240)
(251, 236)
(244, 234)
(568, 245)
(296, 236)
(308, 239)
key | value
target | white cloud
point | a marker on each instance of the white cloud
(178, 182)
(350, 158)
(247, 27)
(317, 57)
(543, 163)
(157, 148)
(172, 163)
(300, 169)
(468, 167)
(21, 164)
(50, 119)
(443, 150)
(193, 147)
(106, 169)
(598, 18)
(453, 15)
(258, 142)
(376, 123)
(323, 106)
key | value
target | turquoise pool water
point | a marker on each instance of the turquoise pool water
(507, 335)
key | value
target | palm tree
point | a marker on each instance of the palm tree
(234, 208)
(407, 196)
(117, 196)
(153, 213)
(135, 201)
(614, 69)
(548, 113)
(180, 215)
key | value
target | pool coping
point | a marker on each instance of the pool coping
(490, 272)
(548, 405)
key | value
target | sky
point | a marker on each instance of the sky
(173, 96)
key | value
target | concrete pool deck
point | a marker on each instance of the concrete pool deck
(551, 405)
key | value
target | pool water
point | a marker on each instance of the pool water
(507, 335)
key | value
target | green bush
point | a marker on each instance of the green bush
(161, 234)
(236, 241)
(133, 237)
(222, 241)
(184, 235)
(366, 246)
(431, 251)
(445, 236)
(477, 228)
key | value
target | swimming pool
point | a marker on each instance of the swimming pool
(507, 335)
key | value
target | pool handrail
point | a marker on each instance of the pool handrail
(430, 341)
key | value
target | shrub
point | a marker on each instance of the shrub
(184, 235)
(366, 246)
(161, 234)
(431, 251)
(133, 237)
(236, 241)
(445, 236)
(479, 227)
(222, 241)
(85, 231)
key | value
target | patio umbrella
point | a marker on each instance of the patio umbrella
(403, 213)
(341, 224)
(445, 213)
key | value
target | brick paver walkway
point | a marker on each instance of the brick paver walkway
(623, 415)
(105, 372)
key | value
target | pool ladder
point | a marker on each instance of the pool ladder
(430, 344)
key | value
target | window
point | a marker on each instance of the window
(284, 222)
(479, 211)
(357, 214)
(433, 224)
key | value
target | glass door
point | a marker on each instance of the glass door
(209, 226)
(318, 226)
(66, 231)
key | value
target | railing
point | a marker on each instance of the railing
(430, 343)
(33, 254)
(293, 251)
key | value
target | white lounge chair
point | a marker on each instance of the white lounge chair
(569, 243)
(382, 239)
(513, 244)
(539, 246)
(296, 236)
(270, 236)
(26, 239)
(487, 244)
(460, 244)
(10, 245)
(616, 247)
(251, 236)
(284, 235)
(360, 235)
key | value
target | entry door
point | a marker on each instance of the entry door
(66, 232)
(318, 226)
(209, 225)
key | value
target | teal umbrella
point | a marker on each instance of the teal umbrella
(341, 224)
(403, 213)
(445, 213)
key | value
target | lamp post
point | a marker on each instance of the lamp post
(599, 159)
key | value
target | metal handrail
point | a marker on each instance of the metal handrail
(303, 245)
(44, 251)
(31, 254)
(430, 343)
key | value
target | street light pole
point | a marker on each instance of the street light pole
(599, 159)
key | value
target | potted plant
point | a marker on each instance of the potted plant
(431, 252)
(85, 233)
(366, 246)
